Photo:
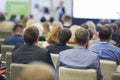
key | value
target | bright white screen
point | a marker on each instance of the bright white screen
(96, 9)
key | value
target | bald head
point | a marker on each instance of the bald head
(38, 71)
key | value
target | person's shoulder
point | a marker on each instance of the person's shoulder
(8, 40)
(66, 51)
(94, 46)
(50, 46)
(41, 49)
(115, 48)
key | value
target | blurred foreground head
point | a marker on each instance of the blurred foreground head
(38, 71)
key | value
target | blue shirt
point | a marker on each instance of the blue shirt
(79, 57)
(106, 51)
(16, 40)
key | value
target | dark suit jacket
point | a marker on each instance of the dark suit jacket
(30, 53)
(56, 48)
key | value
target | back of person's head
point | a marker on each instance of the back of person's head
(64, 35)
(13, 16)
(17, 29)
(73, 30)
(24, 21)
(39, 27)
(67, 18)
(2, 17)
(118, 23)
(91, 25)
(21, 17)
(82, 36)
(114, 27)
(46, 28)
(29, 23)
(103, 21)
(84, 25)
(31, 35)
(51, 20)
(38, 71)
(57, 24)
(43, 19)
(105, 32)
(52, 35)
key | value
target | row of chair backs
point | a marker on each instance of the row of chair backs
(4, 49)
(107, 68)
(77, 74)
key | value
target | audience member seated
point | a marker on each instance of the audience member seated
(41, 29)
(13, 19)
(103, 48)
(73, 29)
(17, 38)
(38, 71)
(63, 36)
(67, 21)
(46, 29)
(30, 52)
(52, 35)
(5, 26)
(115, 31)
(80, 57)
(24, 21)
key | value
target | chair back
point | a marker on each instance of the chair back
(115, 76)
(4, 49)
(107, 68)
(4, 35)
(1, 43)
(8, 62)
(77, 74)
(54, 58)
(15, 70)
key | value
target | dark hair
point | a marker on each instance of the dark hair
(2, 17)
(118, 23)
(31, 34)
(81, 36)
(43, 19)
(105, 32)
(114, 27)
(84, 25)
(90, 34)
(64, 35)
(118, 41)
(21, 17)
(67, 18)
(17, 27)
(13, 16)
(51, 20)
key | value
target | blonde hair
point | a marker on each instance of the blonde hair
(39, 27)
(91, 26)
(29, 23)
(46, 28)
(38, 71)
(73, 30)
(24, 21)
(52, 36)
